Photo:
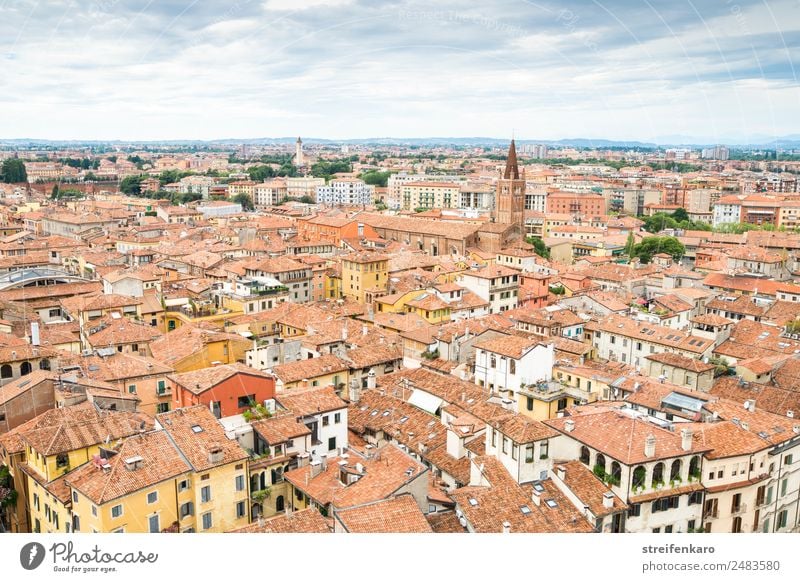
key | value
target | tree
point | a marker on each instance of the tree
(13, 171)
(539, 247)
(54, 193)
(630, 243)
(653, 245)
(376, 178)
(680, 215)
(245, 200)
(260, 173)
(131, 185)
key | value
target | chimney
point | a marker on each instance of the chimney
(133, 463)
(561, 472)
(569, 425)
(364, 330)
(371, 380)
(35, 339)
(215, 455)
(750, 405)
(650, 446)
(536, 497)
(344, 332)
(506, 527)
(608, 500)
(686, 439)
(316, 468)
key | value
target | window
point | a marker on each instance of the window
(514, 451)
(132, 389)
(529, 453)
(240, 510)
(74, 497)
(493, 361)
(639, 475)
(494, 438)
(658, 474)
(94, 510)
(668, 529)
(152, 497)
(162, 387)
(787, 460)
(183, 485)
(782, 517)
(205, 494)
(239, 482)
(187, 509)
(544, 449)
(512, 366)
(62, 460)
(325, 420)
(337, 418)
(529, 403)
(245, 401)
(695, 498)
(207, 520)
(162, 407)
(152, 522)
(116, 511)
(784, 486)
(635, 510)
(584, 458)
(505, 445)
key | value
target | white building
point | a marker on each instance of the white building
(325, 415)
(506, 364)
(496, 284)
(727, 210)
(346, 191)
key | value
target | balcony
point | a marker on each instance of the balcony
(739, 510)
(710, 515)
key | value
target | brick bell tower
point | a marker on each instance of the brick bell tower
(510, 195)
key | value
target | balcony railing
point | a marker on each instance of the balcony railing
(709, 515)
(739, 510)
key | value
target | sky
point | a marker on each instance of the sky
(709, 70)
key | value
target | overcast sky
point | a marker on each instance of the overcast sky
(714, 70)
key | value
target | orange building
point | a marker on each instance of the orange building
(227, 390)
(334, 229)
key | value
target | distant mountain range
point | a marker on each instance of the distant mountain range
(754, 142)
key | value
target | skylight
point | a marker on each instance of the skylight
(473, 502)
(197, 428)
(551, 503)
(525, 509)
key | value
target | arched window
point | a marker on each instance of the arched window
(616, 473)
(25, 368)
(658, 474)
(694, 467)
(639, 476)
(600, 464)
(675, 470)
(280, 504)
(737, 525)
(44, 364)
(585, 455)
(5, 371)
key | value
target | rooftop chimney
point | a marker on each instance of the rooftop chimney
(215, 455)
(506, 527)
(561, 472)
(569, 425)
(608, 500)
(686, 439)
(650, 446)
(750, 405)
(371, 382)
(536, 497)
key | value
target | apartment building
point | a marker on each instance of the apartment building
(345, 192)
(496, 284)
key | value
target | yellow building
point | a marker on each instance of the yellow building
(188, 477)
(191, 348)
(327, 370)
(571, 386)
(364, 273)
(416, 195)
(55, 443)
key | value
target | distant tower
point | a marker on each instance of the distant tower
(298, 153)
(510, 195)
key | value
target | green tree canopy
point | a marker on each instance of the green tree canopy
(13, 171)
(539, 247)
(653, 245)
(376, 178)
(131, 185)
(245, 200)
(260, 173)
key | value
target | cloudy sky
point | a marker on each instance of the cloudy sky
(714, 70)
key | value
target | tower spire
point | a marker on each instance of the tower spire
(512, 169)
